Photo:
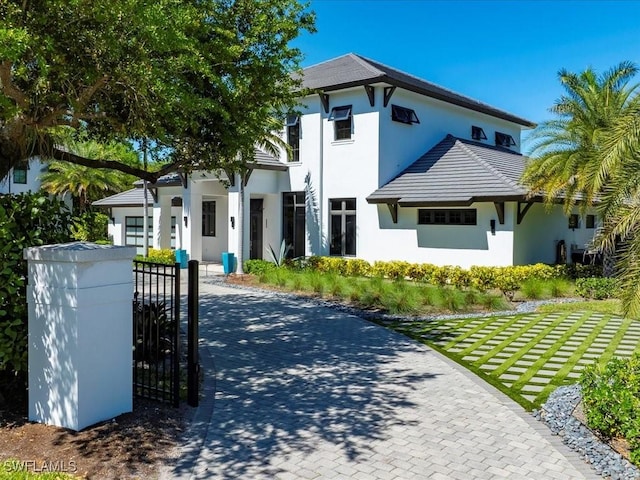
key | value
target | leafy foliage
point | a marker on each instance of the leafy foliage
(279, 258)
(258, 267)
(90, 226)
(25, 221)
(611, 396)
(598, 288)
(199, 79)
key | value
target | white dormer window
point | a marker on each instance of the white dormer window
(341, 116)
(504, 140)
(403, 115)
(477, 133)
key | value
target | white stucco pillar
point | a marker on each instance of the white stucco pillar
(192, 231)
(233, 199)
(80, 333)
(162, 222)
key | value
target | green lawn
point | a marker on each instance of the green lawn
(528, 356)
(12, 469)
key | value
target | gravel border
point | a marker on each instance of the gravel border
(557, 414)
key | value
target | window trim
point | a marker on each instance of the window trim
(212, 215)
(426, 216)
(504, 140)
(409, 118)
(477, 133)
(141, 227)
(294, 155)
(343, 213)
(23, 168)
(291, 120)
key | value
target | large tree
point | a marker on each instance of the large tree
(566, 156)
(177, 73)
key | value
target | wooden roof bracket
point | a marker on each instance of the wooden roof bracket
(154, 194)
(523, 212)
(500, 211)
(245, 176)
(388, 92)
(393, 209)
(231, 176)
(324, 99)
(371, 93)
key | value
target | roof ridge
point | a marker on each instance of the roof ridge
(366, 63)
(461, 144)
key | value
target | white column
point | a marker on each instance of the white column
(233, 197)
(192, 231)
(80, 333)
(162, 222)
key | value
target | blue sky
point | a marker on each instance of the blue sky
(505, 53)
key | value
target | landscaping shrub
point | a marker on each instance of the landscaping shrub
(611, 397)
(358, 268)
(533, 288)
(164, 255)
(26, 220)
(257, 267)
(483, 278)
(90, 227)
(598, 288)
(576, 270)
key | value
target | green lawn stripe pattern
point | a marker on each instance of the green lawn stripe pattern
(529, 355)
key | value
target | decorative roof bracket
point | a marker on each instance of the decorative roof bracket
(500, 211)
(371, 93)
(523, 212)
(393, 209)
(388, 92)
(324, 99)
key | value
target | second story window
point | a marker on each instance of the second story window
(341, 116)
(293, 137)
(403, 115)
(20, 173)
(504, 140)
(477, 133)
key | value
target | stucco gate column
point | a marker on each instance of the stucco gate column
(80, 333)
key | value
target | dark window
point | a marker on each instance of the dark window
(20, 173)
(477, 133)
(403, 115)
(504, 140)
(459, 216)
(294, 222)
(574, 221)
(293, 138)
(341, 116)
(133, 231)
(343, 226)
(209, 219)
(591, 221)
(173, 232)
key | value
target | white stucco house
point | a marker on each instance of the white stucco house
(23, 178)
(385, 166)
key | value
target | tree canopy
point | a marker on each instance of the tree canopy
(200, 79)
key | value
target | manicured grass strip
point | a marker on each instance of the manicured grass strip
(489, 323)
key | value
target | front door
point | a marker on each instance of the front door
(255, 234)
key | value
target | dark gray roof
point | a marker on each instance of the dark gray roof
(457, 171)
(130, 198)
(261, 161)
(352, 70)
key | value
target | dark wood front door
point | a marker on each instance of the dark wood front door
(255, 234)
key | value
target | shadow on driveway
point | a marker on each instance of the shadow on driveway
(289, 378)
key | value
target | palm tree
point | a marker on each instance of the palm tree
(566, 154)
(620, 205)
(87, 184)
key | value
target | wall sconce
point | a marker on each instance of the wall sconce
(233, 222)
(186, 221)
(493, 226)
(113, 221)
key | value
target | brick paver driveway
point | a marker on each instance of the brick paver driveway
(294, 390)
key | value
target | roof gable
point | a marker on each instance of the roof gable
(353, 70)
(456, 171)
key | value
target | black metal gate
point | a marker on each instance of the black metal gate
(157, 335)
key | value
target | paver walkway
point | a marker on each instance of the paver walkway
(294, 390)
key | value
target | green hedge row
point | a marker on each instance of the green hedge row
(597, 288)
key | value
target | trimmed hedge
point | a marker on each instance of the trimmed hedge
(26, 220)
(258, 267)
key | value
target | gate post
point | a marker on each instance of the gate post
(193, 361)
(80, 330)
